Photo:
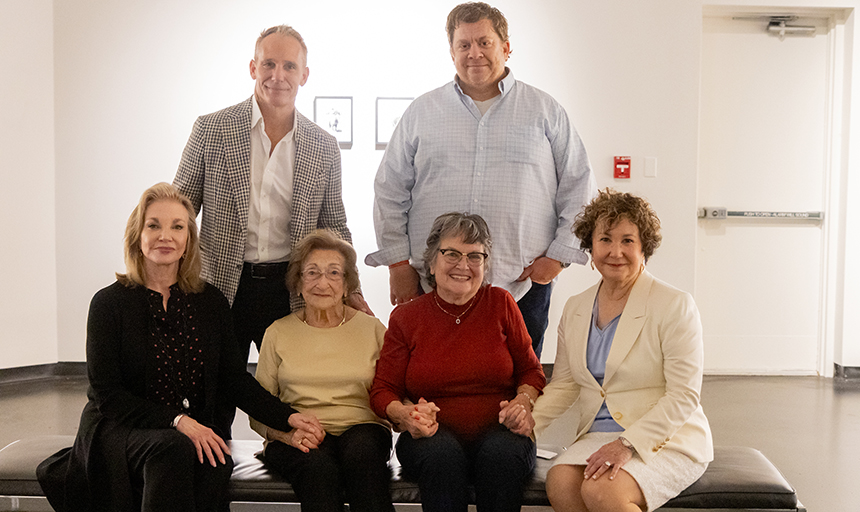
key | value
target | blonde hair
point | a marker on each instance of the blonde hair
(189, 265)
(284, 30)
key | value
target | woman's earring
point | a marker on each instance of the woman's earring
(592, 264)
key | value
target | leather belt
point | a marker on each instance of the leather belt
(266, 270)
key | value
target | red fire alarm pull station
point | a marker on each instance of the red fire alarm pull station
(622, 167)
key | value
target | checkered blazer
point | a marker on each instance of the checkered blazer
(215, 173)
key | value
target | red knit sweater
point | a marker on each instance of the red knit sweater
(466, 369)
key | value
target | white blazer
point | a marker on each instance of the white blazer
(653, 374)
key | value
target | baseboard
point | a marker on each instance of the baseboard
(43, 371)
(57, 370)
(845, 372)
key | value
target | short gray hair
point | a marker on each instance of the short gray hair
(472, 229)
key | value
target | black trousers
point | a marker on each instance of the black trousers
(498, 463)
(167, 476)
(353, 465)
(262, 298)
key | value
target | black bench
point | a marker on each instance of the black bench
(739, 478)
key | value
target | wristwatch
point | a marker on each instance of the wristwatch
(627, 444)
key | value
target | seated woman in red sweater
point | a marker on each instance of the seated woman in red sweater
(457, 372)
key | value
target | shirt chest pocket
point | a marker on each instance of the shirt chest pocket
(527, 145)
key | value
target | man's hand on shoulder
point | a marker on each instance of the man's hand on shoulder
(542, 271)
(356, 301)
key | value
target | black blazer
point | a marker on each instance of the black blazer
(93, 474)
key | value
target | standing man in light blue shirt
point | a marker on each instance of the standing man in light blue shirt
(490, 145)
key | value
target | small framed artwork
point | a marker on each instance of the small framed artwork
(388, 113)
(334, 115)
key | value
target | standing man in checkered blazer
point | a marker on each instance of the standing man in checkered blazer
(265, 176)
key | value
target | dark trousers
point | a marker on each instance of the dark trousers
(353, 464)
(167, 476)
(497, 463)
(262, 298)
(535, 309)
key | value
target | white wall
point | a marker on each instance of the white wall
(28, 291)
(130, 77)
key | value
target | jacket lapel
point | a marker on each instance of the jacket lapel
(629, 325)
(237, 151)
(581, 328)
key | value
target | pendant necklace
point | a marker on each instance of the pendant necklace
(456, 317)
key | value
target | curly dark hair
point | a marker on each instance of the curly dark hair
(611, 206)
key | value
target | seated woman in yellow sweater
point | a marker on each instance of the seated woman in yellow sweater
(321, 360)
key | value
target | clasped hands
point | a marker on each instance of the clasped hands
(516, 414)
(307, 433)
(420, 419)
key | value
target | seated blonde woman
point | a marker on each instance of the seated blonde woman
(160, 356)
(321, 360)
(629, 362)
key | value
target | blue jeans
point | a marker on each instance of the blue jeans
(534, 307)
(498, 463)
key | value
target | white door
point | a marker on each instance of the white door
(763, 147)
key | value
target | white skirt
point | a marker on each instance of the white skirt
(664, 477)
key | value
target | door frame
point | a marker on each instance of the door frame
(832, 290)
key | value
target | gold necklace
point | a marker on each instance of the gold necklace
(305, 319)
(456, 317)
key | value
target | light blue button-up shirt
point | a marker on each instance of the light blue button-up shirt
(521, 166)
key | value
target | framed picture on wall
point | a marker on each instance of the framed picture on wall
(334, 115)
(388, 112)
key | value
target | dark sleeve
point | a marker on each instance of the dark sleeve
(527, 367)
(234, 381)
(115, 360)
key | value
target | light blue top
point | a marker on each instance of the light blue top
(521, 166)
(599, 343)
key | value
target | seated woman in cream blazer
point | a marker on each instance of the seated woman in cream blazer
(629, 369)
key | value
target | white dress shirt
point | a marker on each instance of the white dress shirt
(271, 194)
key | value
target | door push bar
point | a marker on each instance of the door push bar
(720, 212)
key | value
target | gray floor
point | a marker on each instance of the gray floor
(808, 426)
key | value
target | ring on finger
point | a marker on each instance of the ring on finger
(608, 464)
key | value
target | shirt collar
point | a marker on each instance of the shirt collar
(505, 84)
(257, 117)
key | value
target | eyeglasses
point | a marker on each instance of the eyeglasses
(474, 259)
(313, 274)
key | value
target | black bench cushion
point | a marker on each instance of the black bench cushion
(739, 478)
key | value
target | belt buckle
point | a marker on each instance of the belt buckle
(254, 274)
